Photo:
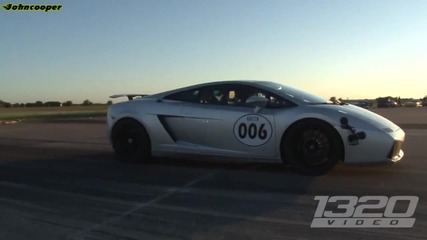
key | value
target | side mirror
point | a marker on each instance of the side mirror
(257, 102)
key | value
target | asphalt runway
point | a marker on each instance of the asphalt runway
(60, 181)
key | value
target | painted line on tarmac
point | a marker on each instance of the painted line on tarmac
(72, 195)
(213, 213)
(80, 234)
(5, 129)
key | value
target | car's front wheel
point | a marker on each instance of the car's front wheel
(312, 147)
(130, 141)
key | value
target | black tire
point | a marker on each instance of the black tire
(312, 147)
(131, 142)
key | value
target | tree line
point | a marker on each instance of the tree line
(86, 102)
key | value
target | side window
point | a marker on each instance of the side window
(276, 102)
(228, 95)
(213, 95)
(240, 94)
(237, 95)
(205, 95)
(185, 96)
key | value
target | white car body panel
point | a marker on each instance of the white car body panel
(188, 129)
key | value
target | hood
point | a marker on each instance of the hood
(365, 116)
(370, 117)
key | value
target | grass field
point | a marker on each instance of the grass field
(53, 112)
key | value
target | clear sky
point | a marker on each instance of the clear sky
(92, 49)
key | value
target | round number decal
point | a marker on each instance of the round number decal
(253, 130)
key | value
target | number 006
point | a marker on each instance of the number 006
(347, 206)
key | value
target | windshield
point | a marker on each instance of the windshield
(293, 93)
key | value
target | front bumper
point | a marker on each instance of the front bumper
(396, 152)
(378, 147)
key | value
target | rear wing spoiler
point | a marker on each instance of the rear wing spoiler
(129, 96)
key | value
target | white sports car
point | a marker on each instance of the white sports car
(251, 120)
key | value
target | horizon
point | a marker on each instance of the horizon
(94, 49)
(124, 99)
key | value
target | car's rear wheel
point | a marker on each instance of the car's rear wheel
(312, 147)
(130, 141)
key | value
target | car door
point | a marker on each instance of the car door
(220, 124)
